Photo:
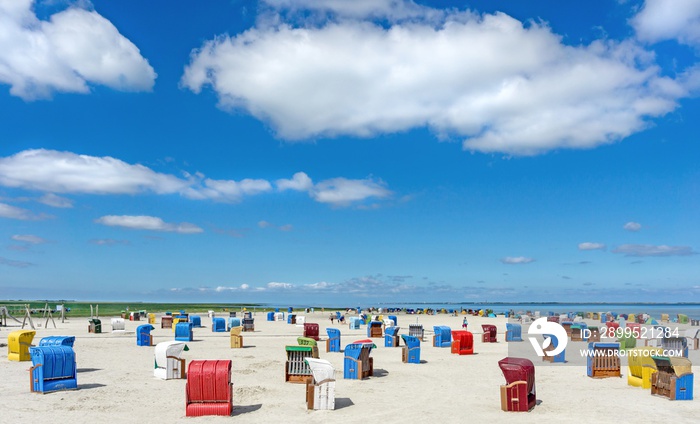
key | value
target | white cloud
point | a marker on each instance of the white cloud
(67, 53)
(501, 85)
(632, 226)
(265, 224)
(661, 20)
(109, 242)
(13, 212)
(28, 238)
(142, 222)
(299, 182)
(342, 191)
(516, 260)
(276, 286)
(591, 246)
(55, 201)
(641, 250)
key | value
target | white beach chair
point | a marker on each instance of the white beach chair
(320, 392)
(118, 325)
(169, 365)
(301, 320)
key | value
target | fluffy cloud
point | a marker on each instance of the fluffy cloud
(516, 260)
(501, 85)
(632, 226)
(67, 53)
(651, 250)
(141, 222)
(336, 191)
(661, 20)
(28, 238)
(591, 246)
(276, 285)
(65, 172)
(13, 212)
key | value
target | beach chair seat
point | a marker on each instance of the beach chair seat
(94, 326)
(169, 364)
(673, 379)
(183, 332)
(462, 343)
(196, 321)
(514, 332)
(311, 330)
(320, 389)
(143, 335)
(209, 390)
(296, 370)
(490, 333)
(333, 341)
(166, 321)
(641, 366)
(118, 325)
(391, 336)
(291, 318)
(518, 394)
(53, 369)
(442, 336)
(416, 330)
(603, 360)
(410, 352)
(236, 338)
(57, 341)
(374, 329)
(594, 335)
(358, 364)
(218, 325)
(18, 344)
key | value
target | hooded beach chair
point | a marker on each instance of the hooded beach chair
(683, 319)
(151, 318)
(579, 332)
(279, 316)
(18, 344)
(374, 329)
(308, 341)
(291, 318)
(53, 369)
(410, 352)
(118, 325)
(143, 335)
(209, 390)
(518, 394)
(391, 336)
(236, 338)
(218, 325)
(358, 364)
(635, 329)
(641, 366)
(462, 343)
(692, 336)
(514, 332)
(354, 323)
(271, 316)
(333, 341)
(490, 333)
(168, 363)
(248, 324)
(166, 321)
(183, 332)
(395, 319)
(603, 360)
(442, 336)
(416, 330)
(311, 330)
(301, 320)
(320, 389)
(196, 321)
(677, 344)
(553, 344)
(57, 341)
(674, 378)
(567, 326)
(233, 322)
(94, 326)
(627, 340)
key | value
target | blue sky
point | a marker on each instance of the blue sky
(345, 152)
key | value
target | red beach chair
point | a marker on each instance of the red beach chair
(490, 332)
(463, 342)
(518, 395)
(209, 390)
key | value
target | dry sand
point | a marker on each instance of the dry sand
(116, 382)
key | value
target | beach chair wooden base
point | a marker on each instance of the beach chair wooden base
(514, 398)
(236, 342)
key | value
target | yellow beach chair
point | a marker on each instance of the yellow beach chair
(641, 366)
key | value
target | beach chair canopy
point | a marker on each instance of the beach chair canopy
(170, 348)
(392, 331)
(676, 365)
(57, 341)
(518, 369)
(320, 369)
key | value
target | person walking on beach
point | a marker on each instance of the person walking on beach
(332, 317)
(464, 323)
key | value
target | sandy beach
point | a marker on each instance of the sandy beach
(116, 382)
